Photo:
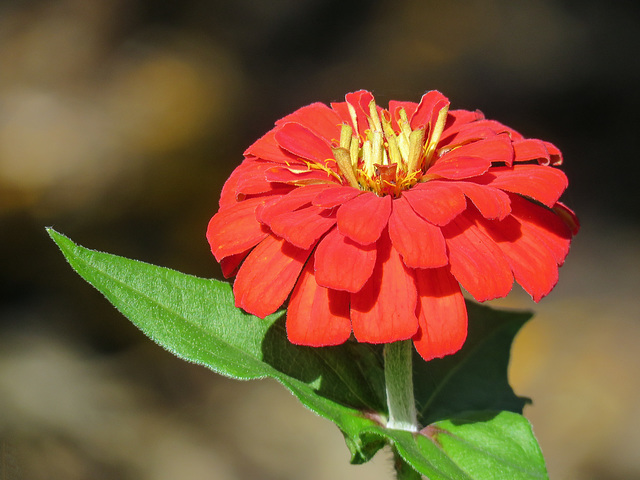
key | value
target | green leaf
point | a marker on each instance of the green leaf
(475, 446)
(475, 378)
(195, 319)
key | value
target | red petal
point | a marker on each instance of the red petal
(420, 243)
(363, 218)
(498, 128)
(318, 118)
(428, 109)
(554, 152)
(436, 201)
(442, 314)
(494, 149)
(267, 148)
(288, 203)
(334, 196)
(302, 142)
(394, 109)
(267, 276)
(549, 228)
(343, 112)
(230, 264)
(228, 195)
(304, 227)
(342, 264)
(253, 180)
(531, 149)
(317, 316)
(458, 119)
(360, 102)
(248, 179)
(469, 133)
(299, 176)
(533, 265)
(384, 310)
(476, 261)
(458, 167)
(491, 202)
(568, 216)
(544, 184)
(235, 229)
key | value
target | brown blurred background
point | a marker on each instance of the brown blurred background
(119, 122)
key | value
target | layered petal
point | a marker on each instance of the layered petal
(568, 216)
(531, 149)
(491, 202)
(542, 183)
(496, 149)
(437, 202)
(304, 227)
(342, 264)
(317, 316)
(236, 229)
(476, 261)
(373, 220)
(458, 167)
(546, 225)
(384, 310)
(302, 142)
(531, 262)
(290, 202)
(358, 103)
(427, 112)
(253, 178)
(394, 111)
(230, 265)
(334, 196)
(317, 117)
(249, 179)
(268, 275)
(363, 218)
(442, 314)
(555, 155)
(419, 242)
(266, 148)
(300, 176)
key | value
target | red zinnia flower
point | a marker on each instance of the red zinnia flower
(371, 219)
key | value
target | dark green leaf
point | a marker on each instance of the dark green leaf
(475, 378)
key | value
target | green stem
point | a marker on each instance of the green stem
(398, 375)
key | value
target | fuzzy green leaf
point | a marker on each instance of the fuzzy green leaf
(196, 319)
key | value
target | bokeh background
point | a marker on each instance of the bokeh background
(119, 122)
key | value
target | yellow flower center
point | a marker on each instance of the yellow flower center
(386, 162)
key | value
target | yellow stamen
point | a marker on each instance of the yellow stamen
(354, 117)
(373, 114)
(354, 151)
(384, 159)
(346, 133)
(343, 159)
(395, 157)
(434, 138)
(416, 140)
(376, 148)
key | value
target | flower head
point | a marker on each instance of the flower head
(369, 220)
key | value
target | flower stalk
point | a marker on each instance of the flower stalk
(398, 375)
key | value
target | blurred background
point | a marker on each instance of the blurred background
(119, 122)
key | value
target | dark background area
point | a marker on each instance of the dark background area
(119, 122)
